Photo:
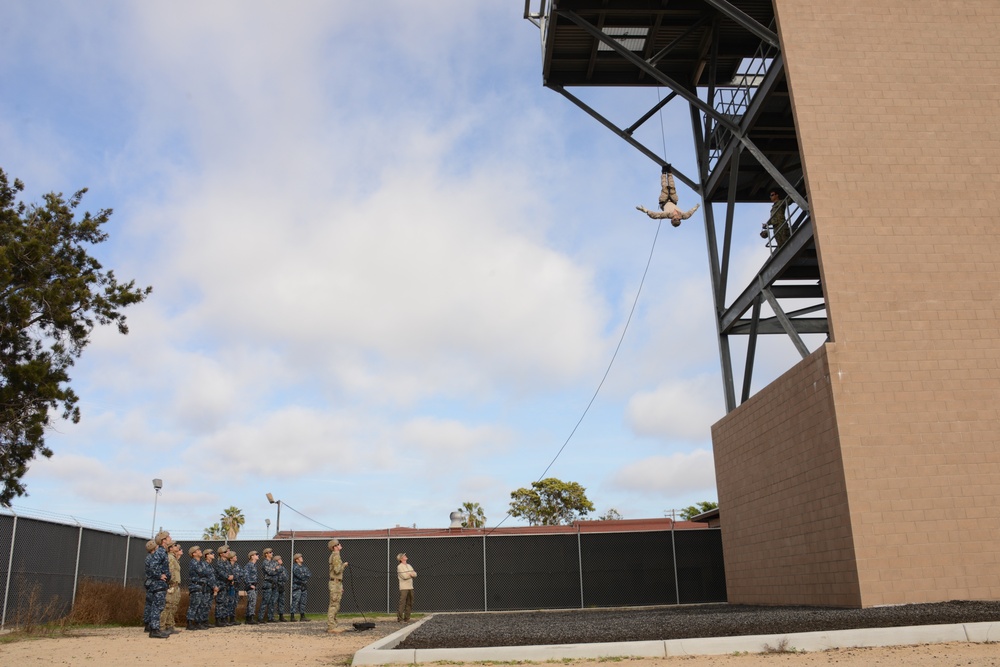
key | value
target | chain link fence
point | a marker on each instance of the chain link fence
(457, 573)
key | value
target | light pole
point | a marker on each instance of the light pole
(157, 485)
(277, 526)
(267, 522)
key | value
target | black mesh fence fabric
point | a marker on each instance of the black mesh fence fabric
(532, 572)
(460, 573)
(701, 573)
(449, 572)
(621, 569)
(42, 570)
(6, 535)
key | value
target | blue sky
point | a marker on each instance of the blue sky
(389, 267)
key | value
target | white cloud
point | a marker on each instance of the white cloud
(668, 476)
(283, 442)
(102, 482)
(449, 440)
(684, 408)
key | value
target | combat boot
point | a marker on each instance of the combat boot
(158, 634)
(302, 617)
(281, 618)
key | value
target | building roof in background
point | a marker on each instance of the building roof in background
(616, 526)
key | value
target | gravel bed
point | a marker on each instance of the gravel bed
(584, 626)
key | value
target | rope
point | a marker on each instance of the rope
(635, 302)
(649, 260)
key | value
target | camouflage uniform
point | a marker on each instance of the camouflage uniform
(300, 593)
(211, 585)
(281, 580)
(150, 548)
(168, 617)
(336, 586)
(157, 574)
(223, 572)
(250, 583)
(668, 202)
(778, 222)
(267, 593)
(196, 590)
(235, 585)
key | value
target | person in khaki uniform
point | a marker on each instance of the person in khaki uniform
(405, 573)
(173, 589)
(668, 201)
(337, 568)
(778, 220)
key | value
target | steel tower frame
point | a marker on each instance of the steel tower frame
(723, 57)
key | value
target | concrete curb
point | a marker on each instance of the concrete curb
(383, 652)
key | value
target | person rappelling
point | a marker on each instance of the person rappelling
(668, 201)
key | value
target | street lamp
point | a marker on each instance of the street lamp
(277, 527)
(157, 485)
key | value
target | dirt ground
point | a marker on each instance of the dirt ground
(308, 644)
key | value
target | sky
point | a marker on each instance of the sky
(390, 268)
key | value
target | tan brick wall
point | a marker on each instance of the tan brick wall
(896, 105)
(786, 530)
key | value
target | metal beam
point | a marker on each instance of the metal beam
(654, 73)
(774, 266)
(771, 326)
(728, 238)
(649, 114)
(751, 352)
(725, 354)
(786, 324)
(624, 135)
(748, 22)
(684, 35)
(771, 78)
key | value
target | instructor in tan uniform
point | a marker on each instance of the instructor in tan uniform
(337, 568)
(173, 589)
(405, 573)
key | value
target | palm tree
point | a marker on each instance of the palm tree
(232, 521)
(213, 532)
(474, 515)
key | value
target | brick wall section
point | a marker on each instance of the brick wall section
(786, 526)
(896, 105)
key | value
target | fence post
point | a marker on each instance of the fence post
(10, 566)
(128, 541)
(486, 604)
(579, 560)
(388, 582)
(76, 568)
(673, 546)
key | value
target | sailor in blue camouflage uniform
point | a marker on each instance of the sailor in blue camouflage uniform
(157, 577)
(150, 548)
(250, 583)
(269, 574)
(196, 589)
(281, 589)
(234, 586)
(212, 587)
(223, 577)
(300, 594)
